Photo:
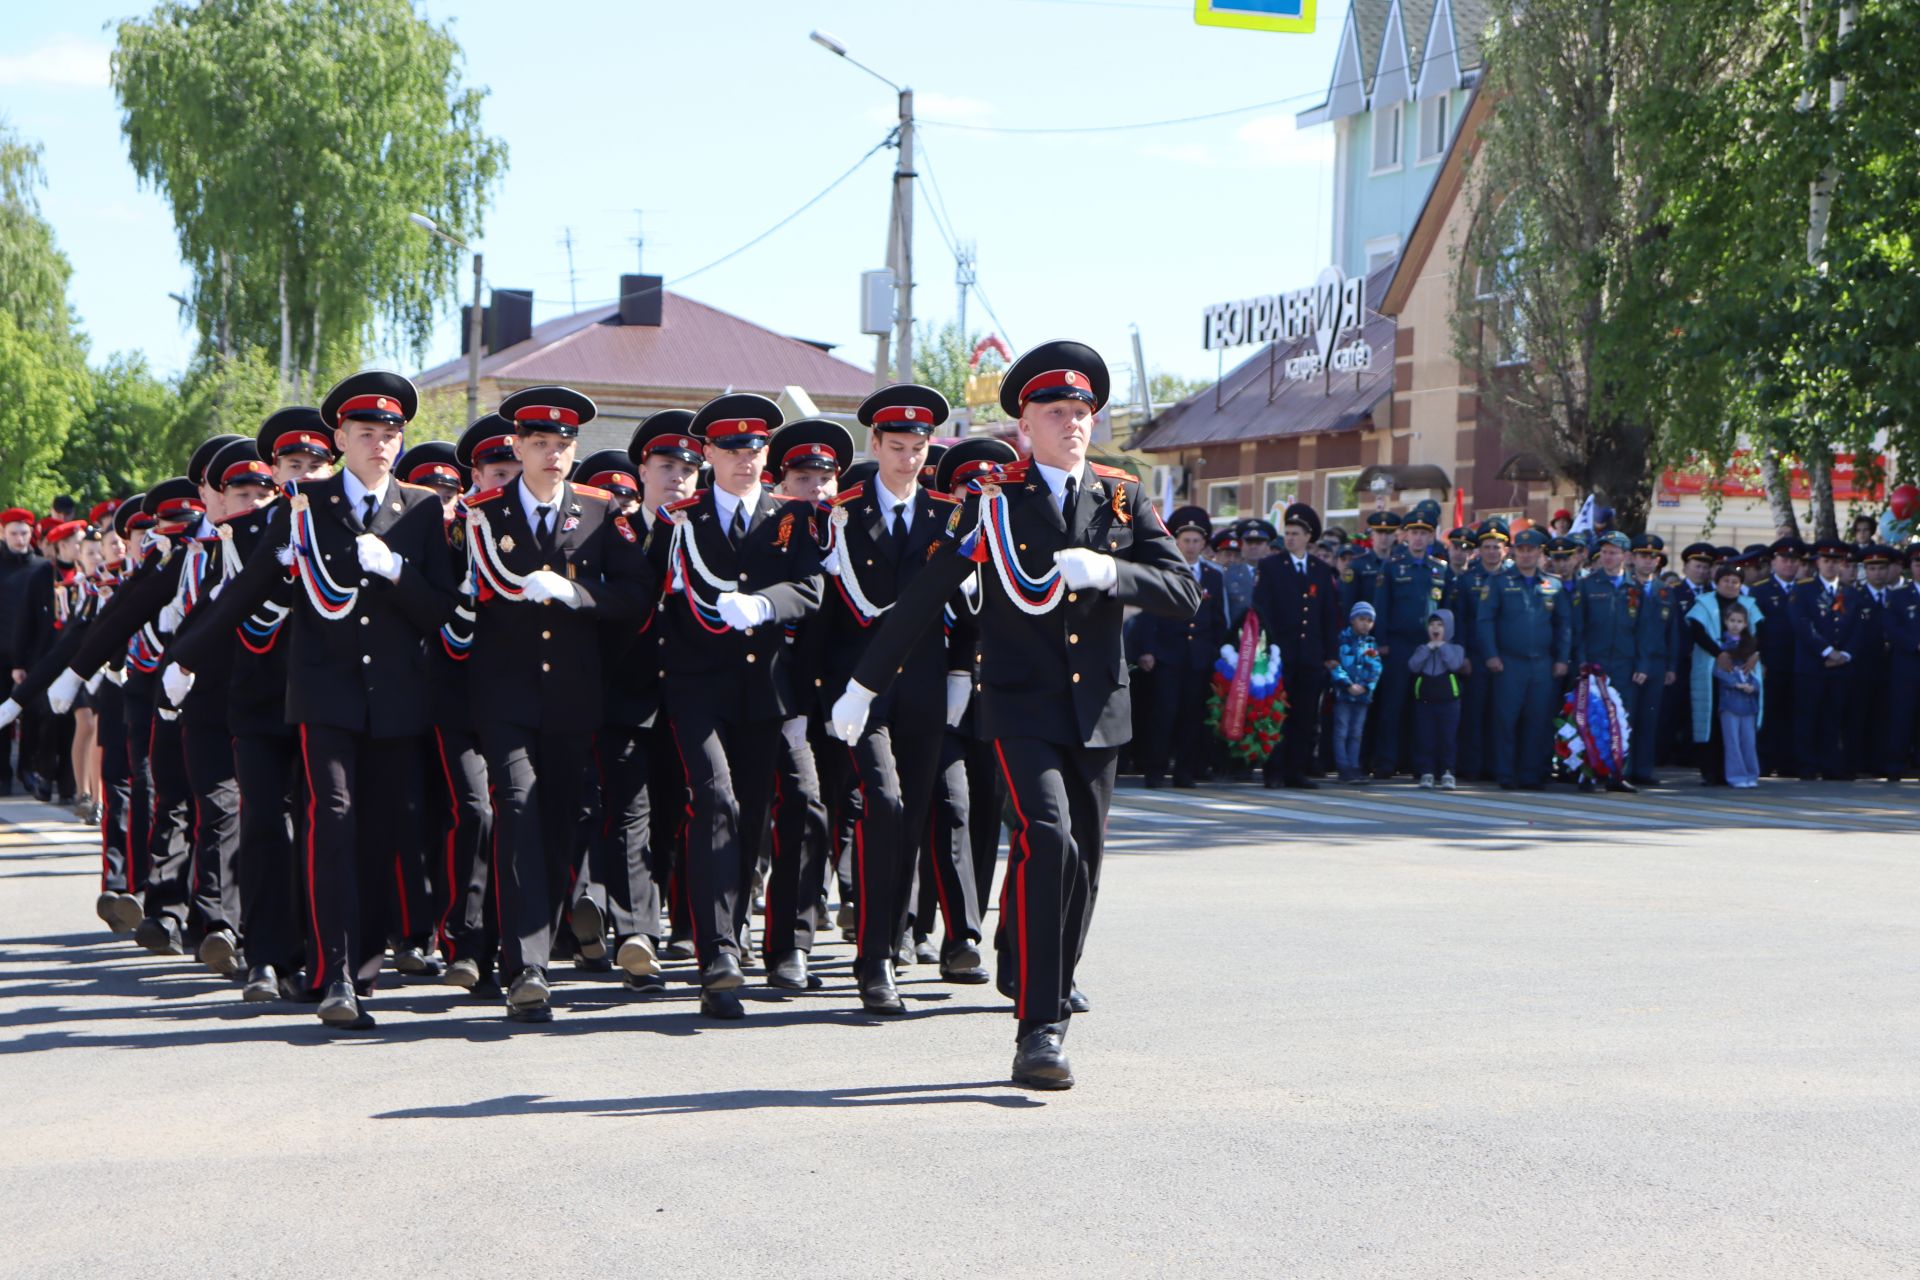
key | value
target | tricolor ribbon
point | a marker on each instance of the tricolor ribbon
(484, 553)
(687, 567)
(840, 565)
(329, 599)
(991, 542)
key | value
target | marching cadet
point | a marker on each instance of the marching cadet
(1410, 588)
(550, 562)
(743, 562)
(1070, 545)
(1779, 756)
(808, 456)
(1491, 541)
(884, 535)
(1824, 621)
(1523, 636)
(1624, 628)
(1181, 654)
(1903, 680)
(1297, 598)
(1867, 726)
(376, 581)
(653, 812)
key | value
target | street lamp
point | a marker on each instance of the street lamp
(899, 225)
(432, 228)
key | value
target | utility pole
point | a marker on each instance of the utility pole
(573, 282)
(473, 346)
(963, 277)
(639, 242)
(903, 176)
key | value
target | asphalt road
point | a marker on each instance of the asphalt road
(1370, 1033)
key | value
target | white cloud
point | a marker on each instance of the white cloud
(64, 62)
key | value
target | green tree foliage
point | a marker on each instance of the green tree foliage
(293, 139)
(132, 434)
(45, 393)
(33, 271)
(942, 359)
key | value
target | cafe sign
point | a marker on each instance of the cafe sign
(1333, 305)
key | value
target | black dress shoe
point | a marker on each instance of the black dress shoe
(1078, 1002)
(262, 984)
(723, 1005)
(1271, 784)
(789, 971)
(160, 935)
(464, 974)
(590, 928)
(924, 952)
(1184, 784)
(636, 956)
(416, 963)
(528, 994)
(1040, 1060)
(878, 994)
(602, 963)
(903, 952)
(962, 965)
(124, 913)
(1509, 786)
(340, 1009)
(646, 984)
(220, 952)
(677, 949)
(297, 988)
(723, 974)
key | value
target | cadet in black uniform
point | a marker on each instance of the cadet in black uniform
(739, 563)
(1069, 545)
(1298, 600)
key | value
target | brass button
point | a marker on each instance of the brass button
(1023, 546)
(817, 682)
(366, 659)
(365, 620)
(1073, 639)
(978, 685)
(363, 582)
(546, 666)
(752, 656)
(1076, 677)
(546, 635)
(749, 631)
(547, 567)
(1073, 597)
(869, 563)
(663, 674)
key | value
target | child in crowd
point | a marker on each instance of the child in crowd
(1437, 667)
(1739, 697)
(1354, 678)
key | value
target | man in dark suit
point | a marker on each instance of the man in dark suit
(1298, 600)
(1778, 755)
(1868, 728)
(738, 563)
(1824, 619)
(376, 580)
(550, 562)
(1180, 653)
(1069, 545)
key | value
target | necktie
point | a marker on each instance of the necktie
(738, 528)
(899, 530)
(1066, 503)
(366, 517)
(542, 526)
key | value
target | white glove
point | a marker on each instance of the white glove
(177, 683)
(9, 712)
(850, 713)
(545, 584)
(969, 588)
(62, 692)
(377, 558)
(1083, 569)
(959, 689)
(99, 678)
(218, 587)
(170, 618)
(795, 732)
(744, 609)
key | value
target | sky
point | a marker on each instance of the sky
(696, 127)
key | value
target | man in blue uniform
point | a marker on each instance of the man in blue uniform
(1411, 588)
(1867, 726)
(1903, 671)
(1383, 532)
(1622, 628)
(1522, 637)
(1649, 558)
(1824, 623)
(1491, 540)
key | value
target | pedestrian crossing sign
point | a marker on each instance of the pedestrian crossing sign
(1256, 15)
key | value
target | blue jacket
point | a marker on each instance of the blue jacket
(1359, 664)
(1410, 592)
(1520, 617)
(1624, 628)
(1732, 698)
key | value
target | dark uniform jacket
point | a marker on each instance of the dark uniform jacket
(14, 571)
(241, 666)
(1903, 623)
(630, 649)
(743, 676)
(1189, 644)
(1517, 618)
(540, 663)
(1820, 624)
(1776, 628)
(42, 611)
(883, 572)
(365, 670)
(1058, 676)
(1299, 613)
(1410, 590)
(1624, 629)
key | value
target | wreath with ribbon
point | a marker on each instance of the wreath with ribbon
(1248, 705)
(1590, 739)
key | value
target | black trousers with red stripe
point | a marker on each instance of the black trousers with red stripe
(948, 884)
(363, 806)
(1060, 797)
(461, 834)
(729, 770)
(110, 713)
(986, 802)
(895, 764)
(799, 846)
(208, 752)
(266, 768)
(137, 733)
(619, 860)
(536, 780)
(169, 849)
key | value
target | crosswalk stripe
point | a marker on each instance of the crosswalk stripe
(1442, 810)
(1270, 811)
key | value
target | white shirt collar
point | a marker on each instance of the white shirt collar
(1055, 477)
(532, 505)
(888, 499)
(357, 492)
(725, 502)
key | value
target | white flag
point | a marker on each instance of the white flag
(1583, 522)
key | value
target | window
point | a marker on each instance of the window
(1388, 124)
(1276, 494)
(1381, 251)
(1435, 118)
(1343, 497)
(1223, 499)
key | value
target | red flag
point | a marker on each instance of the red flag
(1459, 508)
(1233, 720)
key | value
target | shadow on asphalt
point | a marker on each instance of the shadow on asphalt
(675, 1104)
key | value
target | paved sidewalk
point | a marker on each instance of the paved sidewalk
(1478, 1050)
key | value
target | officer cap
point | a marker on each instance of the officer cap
(1560, 546)
(1789, 546)
(433, 462)
(1186, 518)
(1531, 538)
(1494, 529)
(203, 456)
(1383, 520)
(173, 500)
(1055, 371)
(738, 420)
(489, 439)
(904, 406)
(1832, 548)
(561, 410)
(1299, 513)
(1913, 550)
(1698, 551)
(1879, 553)
(1616, 539)
(858, 473)
(1649, 542)
(814, 444)
(1229, 540)
(376, 395)
(1253, 528)
(971, 459)
(1755, 553)
(609, 469)
(930, 468)
(296, 429)
(665, 432)
(129, 510)
(1425, 515)
(1462, 536)
(238, 462)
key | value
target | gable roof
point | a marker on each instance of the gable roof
(694, 347)
(1366, 22)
